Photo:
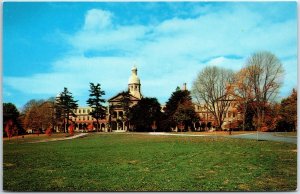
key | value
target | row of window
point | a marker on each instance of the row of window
(83, 118)
(209, 116)
(200, 108)
(79, 111)
(231, 114)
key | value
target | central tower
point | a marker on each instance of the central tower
(134, 84)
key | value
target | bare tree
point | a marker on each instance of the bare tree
(264, 73)
(210, 88)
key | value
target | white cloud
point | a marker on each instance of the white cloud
(234, 64)
(97, 19)
(167, 54)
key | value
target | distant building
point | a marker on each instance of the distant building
(114, 117)
(232, 115)
(115, 121)
(83, 119)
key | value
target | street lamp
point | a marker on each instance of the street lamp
(230, 127)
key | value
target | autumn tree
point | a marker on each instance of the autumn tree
(209, 87)
(32, 115)
(242, 89)
(39, 115)
(264, 76)
(11, 116)
(145, 113)
(288, 112)
(67, 105)
(95, 101)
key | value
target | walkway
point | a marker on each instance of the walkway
(62, 138)
(267, 136)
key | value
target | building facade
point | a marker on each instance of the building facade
(115, 120)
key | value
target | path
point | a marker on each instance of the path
(268, 136)
(62, 138)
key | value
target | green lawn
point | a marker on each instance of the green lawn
(130, 162)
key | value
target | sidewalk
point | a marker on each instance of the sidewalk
(60, 139)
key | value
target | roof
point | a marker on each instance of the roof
(118, 97)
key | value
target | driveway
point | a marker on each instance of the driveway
(266, 136)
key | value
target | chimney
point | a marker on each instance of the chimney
(184, 87)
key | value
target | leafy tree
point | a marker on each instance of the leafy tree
(11, 115)
(67, 105)
(95, 101)
(39, 115)
(209, 87)
(248, 114)
(32, 115)
(145, 113)
(185, 115)
(288, 113)
(179, 110)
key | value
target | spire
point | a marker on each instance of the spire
(134, 79)
(134, 70)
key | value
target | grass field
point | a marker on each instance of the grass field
(130, 162)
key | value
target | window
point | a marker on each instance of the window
(83, 111)
(79, 111)
(229, 114)
(233, 114)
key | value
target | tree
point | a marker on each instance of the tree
(11, 120)
(209, 87)
(95, 101)
(288, 112)
(32, 115)
(145, 113)
(179, 110)
(246, 108)
(39, 115)
(185, 115)
(264, 75)
(244, 91)
(67, 104)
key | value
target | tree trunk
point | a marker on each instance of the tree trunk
(258, 120)
(97, 128)
(244, 117)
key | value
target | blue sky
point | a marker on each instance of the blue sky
(49, 46)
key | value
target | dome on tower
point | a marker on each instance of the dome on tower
(134, 79)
